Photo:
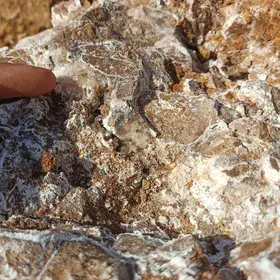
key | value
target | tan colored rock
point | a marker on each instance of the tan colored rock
(259, 258)
(84, 261)
(180, 119)
(34, 255)
(21, 19)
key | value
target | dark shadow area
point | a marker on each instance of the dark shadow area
(187, 37)
(217, 248)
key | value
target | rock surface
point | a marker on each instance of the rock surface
(23, 18)
(157, 154)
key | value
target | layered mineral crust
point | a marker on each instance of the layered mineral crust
(157, 155)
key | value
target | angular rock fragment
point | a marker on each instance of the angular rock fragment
(258, 258)
(180, 119)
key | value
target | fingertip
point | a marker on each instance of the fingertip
(17, 80)
(49, 82)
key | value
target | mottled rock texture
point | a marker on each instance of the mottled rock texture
(19, 19)
(159, 146)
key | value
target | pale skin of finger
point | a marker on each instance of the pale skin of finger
(17, 80)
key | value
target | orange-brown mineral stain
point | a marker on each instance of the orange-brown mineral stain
(86, 3)
(41, 211)
(48, 161)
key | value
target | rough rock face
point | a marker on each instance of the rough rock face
(60, 255)
(23, 18)
(158, 151)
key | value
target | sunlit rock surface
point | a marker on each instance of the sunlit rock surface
(157, 154)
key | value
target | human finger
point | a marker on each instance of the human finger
(17, 80)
